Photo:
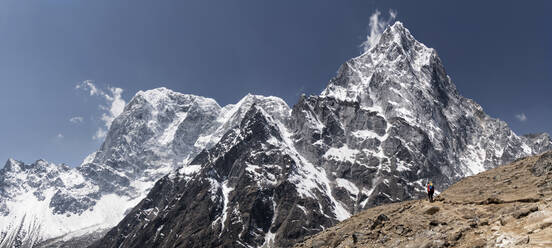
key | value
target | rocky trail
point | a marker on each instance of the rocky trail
(509, 206)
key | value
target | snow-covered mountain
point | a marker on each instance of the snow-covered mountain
(389, 121)
(158, 132)
(179, 170)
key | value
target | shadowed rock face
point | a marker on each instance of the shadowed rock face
(543, 166)
(508, 206)
(234, 198)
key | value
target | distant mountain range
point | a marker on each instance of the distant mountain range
(180, 170)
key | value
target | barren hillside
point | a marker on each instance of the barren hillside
(509, 206)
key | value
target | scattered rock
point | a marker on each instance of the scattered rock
(438, 243)
(503, 221)
(484, 222)
(480, 243)
(379, 220)
(425, 244)
(358, 237)
(337, 241)
(455, 236)
(383, 239)
(524, 212)
(318, 243)
(472, 223)
(546, 223)
(528, 199)
(431, 210)
(522, 241)
(382, 218)
(493, 200)
(400, 229)
(543, 165)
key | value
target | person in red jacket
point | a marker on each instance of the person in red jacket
(430, 191)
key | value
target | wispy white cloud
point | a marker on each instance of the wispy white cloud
(521, 117)
(113, 107)
(59, 136)
(76, 119)
(377, 26)
(100, 134)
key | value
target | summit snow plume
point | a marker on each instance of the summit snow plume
(377, 26)
(521, 117)
(76, 119)
(114, 107)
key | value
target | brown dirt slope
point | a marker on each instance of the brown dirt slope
(509, 206)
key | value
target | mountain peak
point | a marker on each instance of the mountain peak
(12, 165)
(154, 96)
(537, 135)
(400, 35)
(397, 58)
(398, 26)
(162, 96)
(252, 98)
(12, 161)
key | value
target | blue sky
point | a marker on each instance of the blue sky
(497, 52)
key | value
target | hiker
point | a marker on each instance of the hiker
(430, 191)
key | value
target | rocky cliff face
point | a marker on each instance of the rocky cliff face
(259, 173)
(509, 206)
(392, 118)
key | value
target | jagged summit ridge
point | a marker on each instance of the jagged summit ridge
(397, 40)
(401, 78)
(396, 50)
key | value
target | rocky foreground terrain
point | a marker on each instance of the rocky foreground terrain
(509, 206)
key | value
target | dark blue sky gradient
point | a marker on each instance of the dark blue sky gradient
(497, 52)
